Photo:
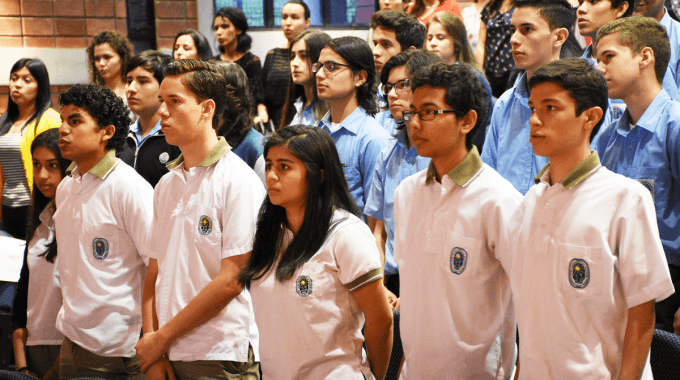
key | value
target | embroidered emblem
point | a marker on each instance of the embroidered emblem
(100, 248)
(164, 157)
(648, 184)
(617, 112)
(303, 286)
(458, 260)
(579, 273)
(204, 226)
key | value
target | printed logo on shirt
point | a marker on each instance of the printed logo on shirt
(617, 112)
(303, 286)
(100, 248)
(204, 226)
(164, 157)
(579, 273)
(648, 184)
(458, 260)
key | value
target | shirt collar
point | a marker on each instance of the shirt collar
(218, 151)
(351, 122)
(582, 171)
(650, 118)
(136, 131)
(103, 168)
(46, 214)
(463, 174)
(521, 87)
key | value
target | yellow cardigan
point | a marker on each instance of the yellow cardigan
(50, 119)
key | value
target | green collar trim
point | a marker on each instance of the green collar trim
(578, 174)
(218, 151)
(103, 168)
(464, 172)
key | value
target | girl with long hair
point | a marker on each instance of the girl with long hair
(191, 44)
(314, 272)
(38, 300)
(108, 56)
(447, 37)
(302, 105)
(29, 112)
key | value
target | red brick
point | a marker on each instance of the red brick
(39, 42)
(171, 9)
(69, 8)
(99, 8)
(95, 26)
(71, 42)
(192, 24)
(169, 28)
(3, 101)
(192, 10)
(10, 26)
(55, 102)
(165, 43)
(36, 8)
(11, 42)
(38, 26)
(10, 8)
(120, 9)
(121, 27)
(69, 27)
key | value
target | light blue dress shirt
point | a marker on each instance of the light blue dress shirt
(385, 119)
(134, 128)
(395, 163)
(304, 117)
(650, 153)
(359, 140)
(673, 31)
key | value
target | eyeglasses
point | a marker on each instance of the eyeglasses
(400, 86)
(425, 115)
(328, 67)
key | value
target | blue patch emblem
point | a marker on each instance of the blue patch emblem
(204, 226)
(579, 273)
(303, 286)
(100, 248)
(459, 258)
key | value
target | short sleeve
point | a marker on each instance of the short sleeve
(356, 253)
(376, 194)
(137, 206)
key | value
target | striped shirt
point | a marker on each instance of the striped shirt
(15, 193)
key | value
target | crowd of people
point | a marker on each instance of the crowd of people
(511, 191)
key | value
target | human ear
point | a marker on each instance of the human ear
(109, 131)
(561, 35)
(592, 115)
(468, 121)
(621, 9)
(360, 78)
(307, 22)
(647, 55)
(208, 108)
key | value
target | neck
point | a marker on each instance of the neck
(660, 15)
(448, 162)
(563, 164)
(341, 108)
(639, 97)
(146, 123)
(309, 95)
(115, 83)
(196, 151)
(26, 111)
(295, 215)
(230, 52)
(87, 163)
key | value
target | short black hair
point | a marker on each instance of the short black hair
(465, 91)
(104, 106)
(202, 45)
(240, 21)
(632, 4)
(414, 60)
(152, 61)
(584, 83)
(301, 3)
(409, 31)
(558, 13)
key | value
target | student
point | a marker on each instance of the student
(345, 78)
(539, 27)
(396, 162)
(198, 323)
(394, 32)
(191, 44)
(314, 272)
(303, 105)
(38, 298)
(582, 252)
(145, 148)
(108, 56)
(644, 144)
(103, 217)
(456, 313)
(656, 10)
(447, 37)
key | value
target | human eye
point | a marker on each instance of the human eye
(268, 167)
(54, 165)
(403, 85)
(284, 167)
(36, 164)
(551, 108)
(330, 66)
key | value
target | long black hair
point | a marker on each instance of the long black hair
(315, 41)
(43, 99)
(237, 119)
(200, 42)
(327, 191)
(240, 21)
(48, 139)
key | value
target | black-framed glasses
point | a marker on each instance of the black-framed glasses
(399, 86)
(425, 115)
(328, 66)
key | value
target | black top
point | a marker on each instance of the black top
(151, 156)
(275, 77)
(252, 65)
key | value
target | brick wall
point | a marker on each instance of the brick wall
(171, 17)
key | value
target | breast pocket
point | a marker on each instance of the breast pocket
(101, 244)
(583, 271)
(311, 282)
(461, 254)
(204, 223)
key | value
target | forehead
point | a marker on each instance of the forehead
(328, 54)
(529, 16)
(382, 33)
(291, 8)
(550, 91)
(429, 95)
(222, 21)
(436, 27)
(139, 71)
(611, 42)
(173, 86)
(104, 48)
(299, 45)
(185, 39)
(24, 71)
(398, 73)
(70, 110)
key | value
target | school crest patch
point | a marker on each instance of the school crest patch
(204, 225)
(579, 273)
(164, 157)
(459, 258)
(303, 286)
(100, 248)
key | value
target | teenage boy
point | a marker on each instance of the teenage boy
(145, 148)
(198, 321)
(644, 144)
(456, 313)
(656, 10)
(582, 251)
(539, 28)
(103, 217)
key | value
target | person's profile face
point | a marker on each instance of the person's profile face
(182, 115)
(391, 5)
(649, 8)
(185, 48)
(286, 178)
(386, 46)
(23, 88)
(591, 15)
(619, 65)
(141, 90)
(531, 40)
(338, 83)
(46, 170)
(107, 61)
(293, 20)
(399, 95)
(225, 31)
(441, 43)
(300, 65)
(80, 136)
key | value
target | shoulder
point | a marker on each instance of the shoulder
(411, 185)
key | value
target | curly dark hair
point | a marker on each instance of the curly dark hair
(118, 43)
(104, 106)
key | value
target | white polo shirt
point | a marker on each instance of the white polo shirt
(311, 324)
(456, 306)
(580, 254)
(201, 216)
(102, 221)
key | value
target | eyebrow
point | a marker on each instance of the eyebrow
(73, 116)
(428, 104)
(279, 160)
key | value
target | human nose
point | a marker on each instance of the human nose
(163, 110)
(392, 94)
(42, 173)
(64, 129)
(534, 120)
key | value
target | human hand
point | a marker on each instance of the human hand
(150, 349)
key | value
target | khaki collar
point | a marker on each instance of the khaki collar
(464, 172)
(576, 176)
(103, 168)
(218, 151)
